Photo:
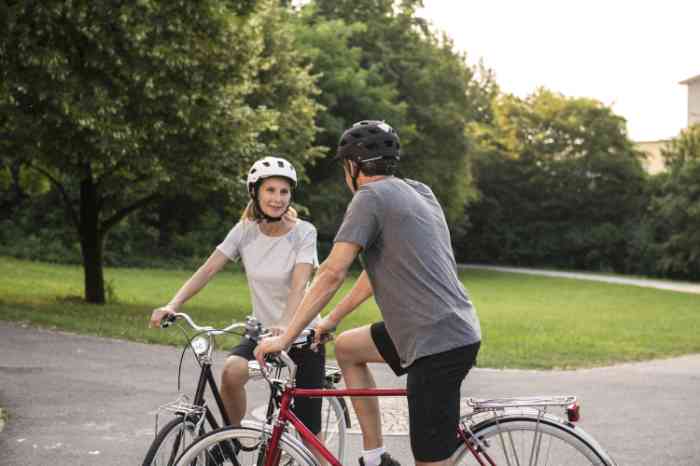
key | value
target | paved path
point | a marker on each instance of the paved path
(684, 287)
(82, 400)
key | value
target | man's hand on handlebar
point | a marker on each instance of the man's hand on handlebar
(269, 345)
(324, 329)
(274, 343)
(159, 314)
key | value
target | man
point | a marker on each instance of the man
(430, 329)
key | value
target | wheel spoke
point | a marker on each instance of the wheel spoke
(529, 442)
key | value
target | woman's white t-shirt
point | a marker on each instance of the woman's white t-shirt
(269, 262)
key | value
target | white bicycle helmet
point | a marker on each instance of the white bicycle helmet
(267, 167)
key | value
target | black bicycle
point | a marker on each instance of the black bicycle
(193, 417)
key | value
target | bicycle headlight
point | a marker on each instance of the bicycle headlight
(200, 345)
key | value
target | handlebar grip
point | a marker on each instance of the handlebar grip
(307, 341)
(167, 321)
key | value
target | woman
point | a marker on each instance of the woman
(279, 255)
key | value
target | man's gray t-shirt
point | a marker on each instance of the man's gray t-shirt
(409, 260)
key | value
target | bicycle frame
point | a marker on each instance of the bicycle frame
(206, 377)
(286, 415)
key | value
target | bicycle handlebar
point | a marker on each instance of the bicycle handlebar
(254, 329)
(170, 319)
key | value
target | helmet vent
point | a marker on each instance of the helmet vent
(280, 164)
(389, 143)
(267, 164)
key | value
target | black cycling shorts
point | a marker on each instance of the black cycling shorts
(433, 387)
(311, 370)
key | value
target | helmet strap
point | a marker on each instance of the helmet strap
(353, 174)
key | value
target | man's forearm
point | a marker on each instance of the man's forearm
(361, 290)
(322, 290)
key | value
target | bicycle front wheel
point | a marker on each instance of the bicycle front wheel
(171, 441)
(334, 424)
(514, 440)
(248, 444)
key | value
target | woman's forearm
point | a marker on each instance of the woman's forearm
(301, 274)
(198, 280)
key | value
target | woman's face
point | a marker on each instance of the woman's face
(274, 196)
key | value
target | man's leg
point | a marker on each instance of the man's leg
(433, 402)
(353, 350)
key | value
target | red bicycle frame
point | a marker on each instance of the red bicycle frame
(286, 415)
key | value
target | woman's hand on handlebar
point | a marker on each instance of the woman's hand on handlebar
(159, 314)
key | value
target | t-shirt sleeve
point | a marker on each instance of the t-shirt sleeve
(230, 246)
(361, 224)
(307, 253)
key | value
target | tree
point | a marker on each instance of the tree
(120, 104)
(349, 92)
(675, 209)
(422, 86)
(560, 184)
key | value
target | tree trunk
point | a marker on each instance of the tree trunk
(91, 242)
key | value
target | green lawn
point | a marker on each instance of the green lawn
(527, 321)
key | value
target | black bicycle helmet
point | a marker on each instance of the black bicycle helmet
(373, 145)
(369, 141)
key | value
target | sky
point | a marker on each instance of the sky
(630, 55)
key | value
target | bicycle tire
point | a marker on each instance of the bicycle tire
(168, 443)
(252, 441)
(526, 440)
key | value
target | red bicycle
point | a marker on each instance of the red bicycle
(508, 431)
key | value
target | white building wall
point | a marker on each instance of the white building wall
(653, 162)
(694, 102)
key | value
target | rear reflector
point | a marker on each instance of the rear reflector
(573, 412)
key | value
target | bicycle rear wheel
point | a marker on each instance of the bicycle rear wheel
(515, 440)
(250, 444)
(171, 441)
